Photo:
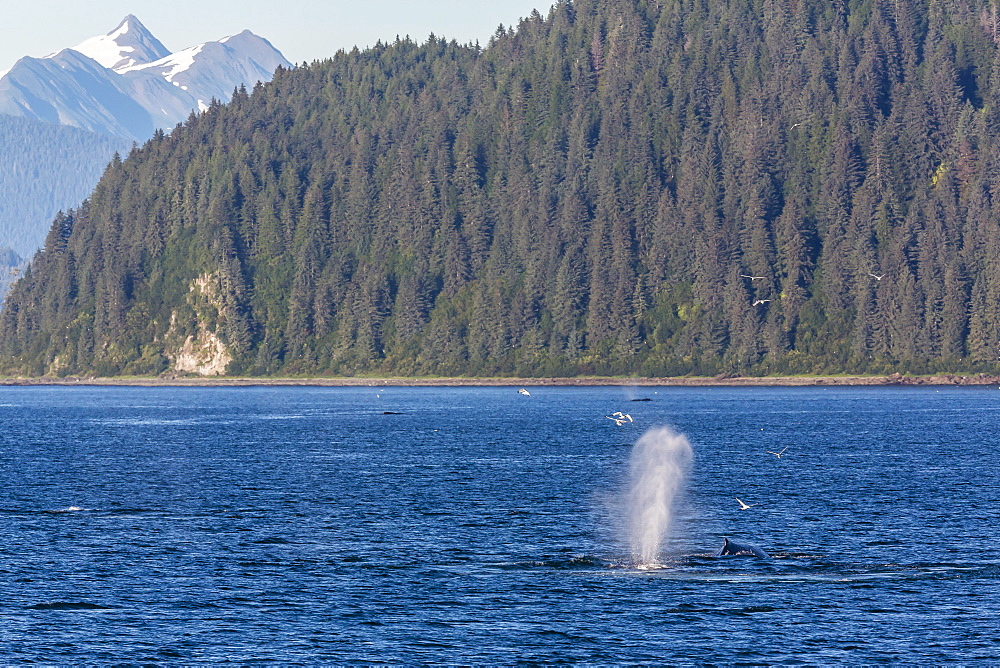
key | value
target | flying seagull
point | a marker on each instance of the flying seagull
(877, 278)
(744, 506)
(524, 392)
(752, 278)
(778, 454)
(620, 418)
(760, 301)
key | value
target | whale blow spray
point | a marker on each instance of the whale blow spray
(658, 467)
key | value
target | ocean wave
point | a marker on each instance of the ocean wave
(68, 605)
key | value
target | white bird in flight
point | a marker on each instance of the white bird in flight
(752, 278)
(620, 418)
(760, 301)
(778, 454)
(524, 392)
(877, 278)
(744, 506)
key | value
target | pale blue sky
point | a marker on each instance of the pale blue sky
(303, 30)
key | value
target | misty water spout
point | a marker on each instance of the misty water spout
(658, 468)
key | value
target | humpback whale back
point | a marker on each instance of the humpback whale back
(733, 549)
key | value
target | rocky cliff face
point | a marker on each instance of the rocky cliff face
(200, 351)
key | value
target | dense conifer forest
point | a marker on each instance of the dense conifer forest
(45, 167)
(651, 187)
(10, 267)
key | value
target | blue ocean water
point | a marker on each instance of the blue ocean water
(478, 525)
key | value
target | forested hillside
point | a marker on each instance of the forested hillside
(45, 168)
(10, 267)
(619, 187)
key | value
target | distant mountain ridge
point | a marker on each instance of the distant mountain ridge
(62, 117)
(127, 84)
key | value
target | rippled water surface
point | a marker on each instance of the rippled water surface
(480, 525)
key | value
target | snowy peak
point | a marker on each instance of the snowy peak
(213, 68)
(128, 45)
(127, 84)
(119, 88)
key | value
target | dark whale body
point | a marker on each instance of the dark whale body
(733, 549)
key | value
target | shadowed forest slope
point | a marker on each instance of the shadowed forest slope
(44, 168)
(619, 187)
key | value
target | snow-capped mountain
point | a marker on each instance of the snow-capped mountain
(126, 46)
(67, 88)
(63, 116)
(127, 84)
(205, 71)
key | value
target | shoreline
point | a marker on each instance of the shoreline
(582, 381)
